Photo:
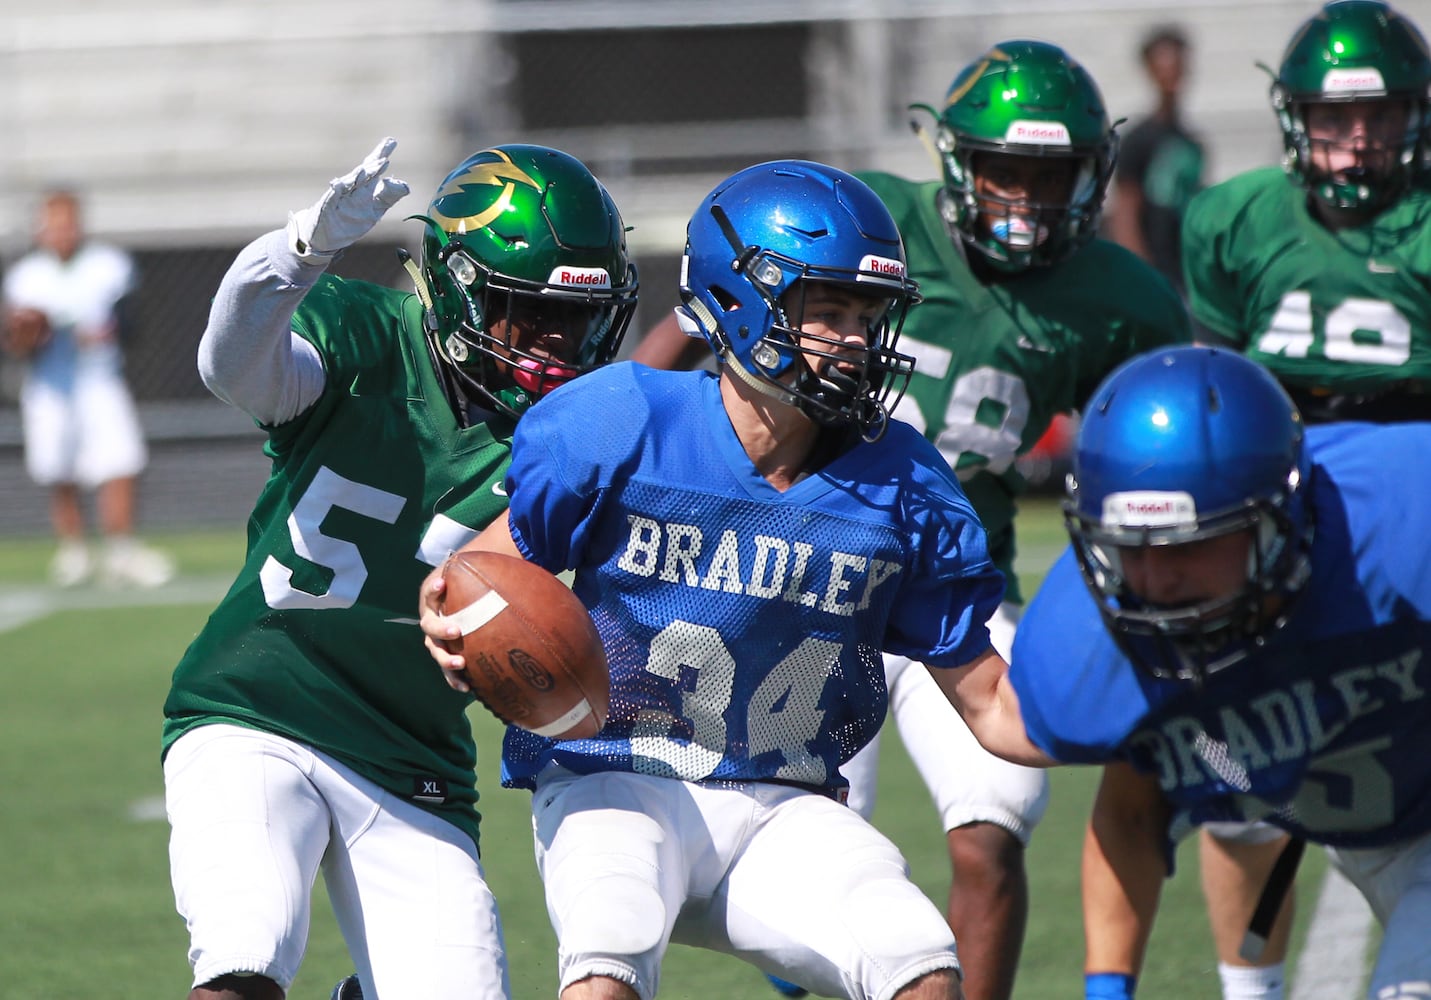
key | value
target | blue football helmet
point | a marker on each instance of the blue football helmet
(1180, 445)
(758, 234)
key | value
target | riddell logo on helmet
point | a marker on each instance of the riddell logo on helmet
(1149, 509)
(1342, 81)
(580, 277)
(1038, 133)
(882, 265)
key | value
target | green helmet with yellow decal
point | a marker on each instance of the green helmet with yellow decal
(528, 278)
(1355, 51)
(1031, 99)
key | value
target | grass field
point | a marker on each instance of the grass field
(85, 904)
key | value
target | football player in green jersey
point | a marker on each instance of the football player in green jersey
(1325, 280)
(304, 730)
(1024, 312)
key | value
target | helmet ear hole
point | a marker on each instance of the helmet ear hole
(724, 298)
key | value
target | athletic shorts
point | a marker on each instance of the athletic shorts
(87, 433)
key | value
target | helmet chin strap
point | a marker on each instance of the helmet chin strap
(760, 385)
(871, 430)
(693, 315)
(451, 384)
(921, 132)
(448, 380)
(419, 283)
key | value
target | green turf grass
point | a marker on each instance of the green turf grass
(84, 890)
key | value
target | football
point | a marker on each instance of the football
(532, 653)
(25, 331)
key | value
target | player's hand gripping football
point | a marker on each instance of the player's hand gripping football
(440, 633)
(350, 207)
(23, 331)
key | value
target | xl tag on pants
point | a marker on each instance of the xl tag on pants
(433, 790)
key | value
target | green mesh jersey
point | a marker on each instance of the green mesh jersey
(995, 363)
(372, 486)
(1348, 311)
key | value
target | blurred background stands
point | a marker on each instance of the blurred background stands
(194, 125)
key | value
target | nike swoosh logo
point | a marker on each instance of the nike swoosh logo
(1377, 268)
(402, 621)
(498, 490)
(1028, 345)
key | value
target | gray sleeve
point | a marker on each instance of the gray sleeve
(249, 355)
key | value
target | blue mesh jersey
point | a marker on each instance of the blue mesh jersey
(1324, 731)
(743, 625)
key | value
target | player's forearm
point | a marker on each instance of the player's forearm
(496, 537)
(249, 357)
(982, 694)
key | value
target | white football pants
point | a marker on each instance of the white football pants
(788, 880)
(253, 819)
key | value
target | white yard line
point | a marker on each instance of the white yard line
(22, 605)
(19, 607)
(149, 809)
(1334, 961)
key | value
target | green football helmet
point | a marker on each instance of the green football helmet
(1355, 50)
(1030, 99)
(523, 238)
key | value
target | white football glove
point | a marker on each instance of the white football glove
(350, 207)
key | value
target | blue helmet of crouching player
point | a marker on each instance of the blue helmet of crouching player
(1181, 445)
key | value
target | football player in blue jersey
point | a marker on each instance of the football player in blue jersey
(1023, 312)
(1319, 270)
(1238, 633)
(748, 542)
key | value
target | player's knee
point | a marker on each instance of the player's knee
(919, 939)
(238, 986)
(1230, 836)
(986, 854)
(942, 984)
(614, 916)
(1010, 797)
(599, 987)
